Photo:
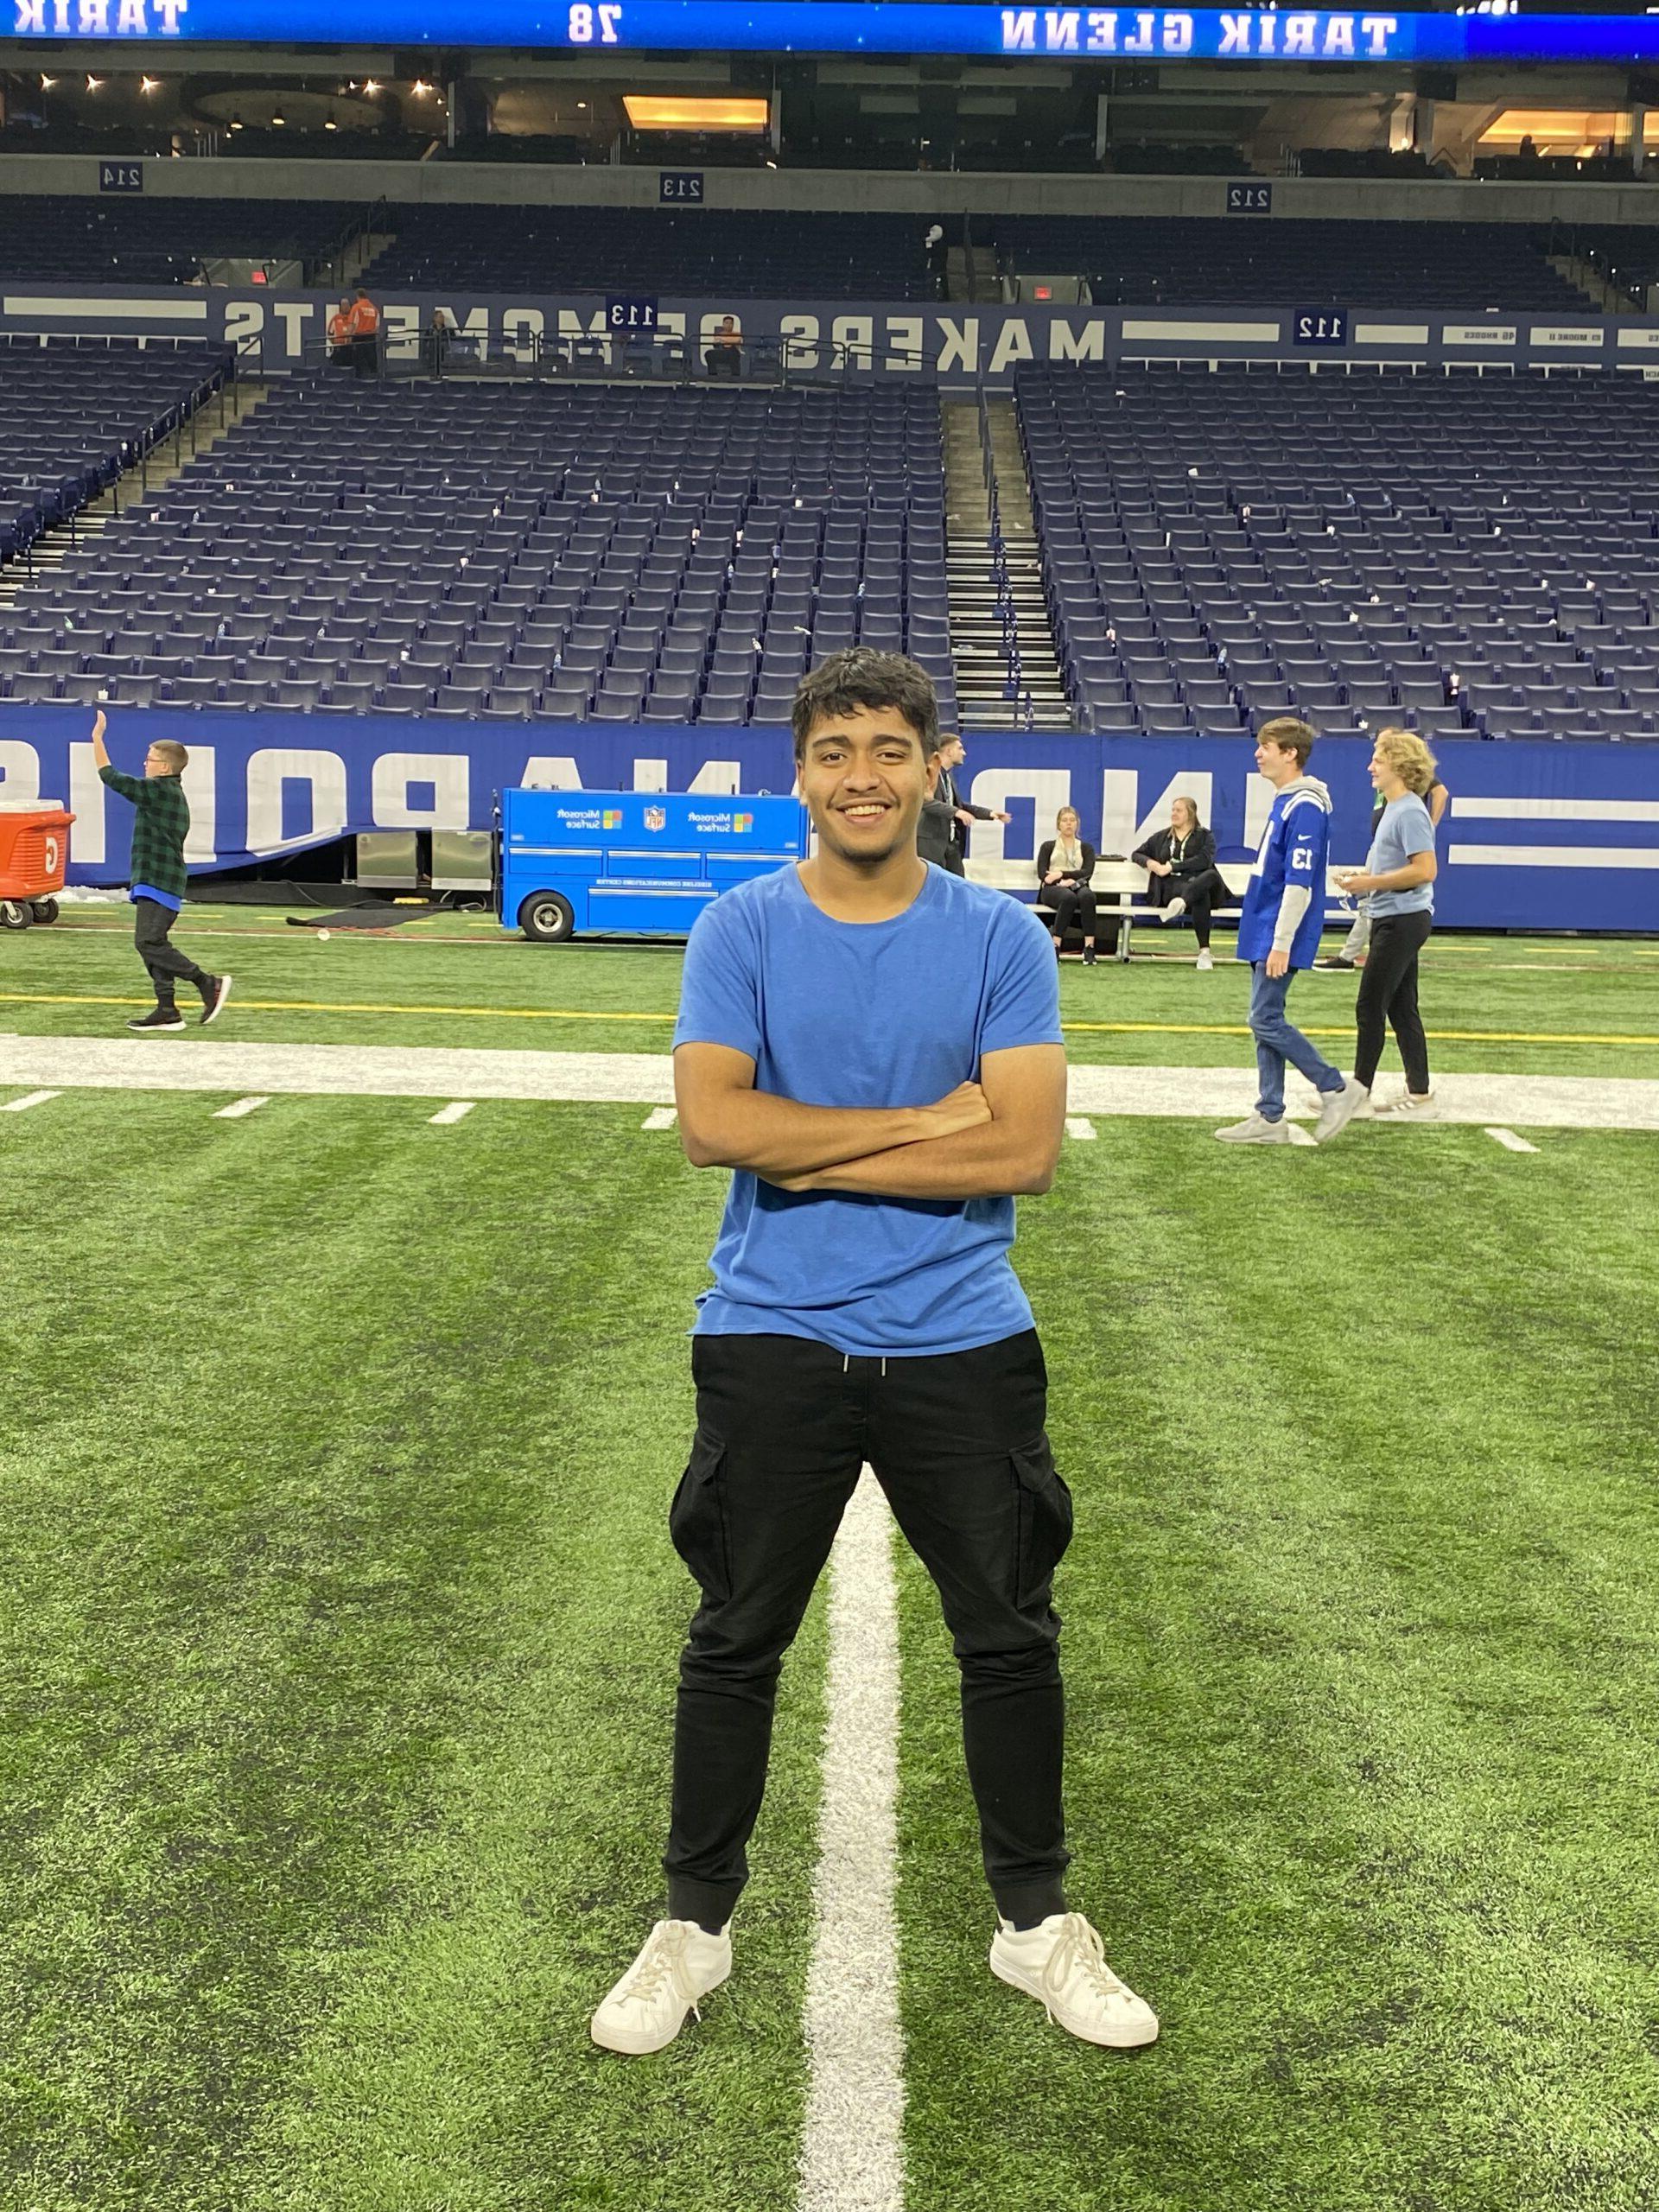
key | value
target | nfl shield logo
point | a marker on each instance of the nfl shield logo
(656, 817)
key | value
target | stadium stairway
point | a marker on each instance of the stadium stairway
(1604, 298)
(979, 636)
(159, 467)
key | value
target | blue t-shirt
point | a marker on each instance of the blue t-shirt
(1294, 848)
(1404, 827)
(872, 1014)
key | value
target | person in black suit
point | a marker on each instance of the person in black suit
(950, 755)
(936, 831)
(1065, 862)
(1181, 871)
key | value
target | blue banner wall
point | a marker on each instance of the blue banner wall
(949, 343)
(1539, 836)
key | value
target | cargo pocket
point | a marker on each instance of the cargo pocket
(696, 1519)
(1044, 1505)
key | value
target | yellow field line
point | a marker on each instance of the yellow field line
(584, 1014)
(1451, 1036)
(340, 1006)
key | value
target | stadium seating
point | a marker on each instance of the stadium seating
(72, 415)
(60, 239)
(1468, 555)
(740, 253)
(664, 554)
(1151, 261)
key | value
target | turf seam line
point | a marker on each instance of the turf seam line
(646, 1079)
(852, 2139)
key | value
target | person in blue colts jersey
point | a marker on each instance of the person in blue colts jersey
(871, 1046)
(1279, 933)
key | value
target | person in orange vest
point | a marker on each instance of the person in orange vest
(364, 324)
(339, 334)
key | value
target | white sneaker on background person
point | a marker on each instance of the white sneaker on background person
(1207, 961)
(1062, 1964)
(1409, 1106)
(1338, 1108)
(1173, 911)
(678, 1966)
(1254, 1130)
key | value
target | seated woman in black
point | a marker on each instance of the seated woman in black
(1181, 871)
(1064, 864)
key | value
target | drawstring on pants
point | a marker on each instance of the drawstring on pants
(846, 1365)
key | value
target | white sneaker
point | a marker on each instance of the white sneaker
(1207, 961)
(1254, 1130)
(1336, 1110)
(1173, 911)
(1408, 1107)
(1061, 1964)
(679, 1964)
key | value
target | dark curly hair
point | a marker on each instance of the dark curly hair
(862, 677)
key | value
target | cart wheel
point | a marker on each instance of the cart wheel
(46, 910)
(548, 917)
(15, 915)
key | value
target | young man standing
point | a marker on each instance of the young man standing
(873, 1046)
(158, 877)
(1279, 933)
(951, 754)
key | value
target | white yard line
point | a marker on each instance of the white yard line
(1078, 1127)
(240, 1107)
(22, 1105)
(660, 1117)
(1299, 1135)
(1510, 1142)
(457, 1111)
(1214, 1094)
(852, 2144)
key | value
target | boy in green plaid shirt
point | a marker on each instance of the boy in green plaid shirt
(158, 879)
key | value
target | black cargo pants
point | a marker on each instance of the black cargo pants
(167, 967)
(957, 1443)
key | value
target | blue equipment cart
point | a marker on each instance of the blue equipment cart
(634, 863)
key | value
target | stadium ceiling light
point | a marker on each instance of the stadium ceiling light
(278, 120)
(150, 84)
(236, 123)
(371, 86)
(46, 83)
(94, 84)
(329, 123)
(421, 89)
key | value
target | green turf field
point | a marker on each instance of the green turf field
(338, 1653)
(1496, 1004)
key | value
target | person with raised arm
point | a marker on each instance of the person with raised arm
(158, 879)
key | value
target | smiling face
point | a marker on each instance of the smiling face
(863, 776)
